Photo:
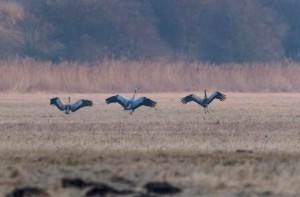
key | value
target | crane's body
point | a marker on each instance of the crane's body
(131, 104)
(68, 108)
(205, 101)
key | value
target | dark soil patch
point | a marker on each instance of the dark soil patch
(76, 183)
(161, 188)
(103, 190)
(28, 192)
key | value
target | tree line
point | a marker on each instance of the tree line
(215, 31)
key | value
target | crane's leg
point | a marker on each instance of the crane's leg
(131, 112)
(207, 109)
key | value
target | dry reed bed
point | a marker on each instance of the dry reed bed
(27, 75)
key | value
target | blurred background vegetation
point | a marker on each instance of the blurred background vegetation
(213, 31)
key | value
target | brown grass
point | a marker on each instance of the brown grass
(174, 142)
(27, 75)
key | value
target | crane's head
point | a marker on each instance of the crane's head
(69, 99)
(136, 89)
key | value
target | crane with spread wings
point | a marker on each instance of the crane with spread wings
(68, 108)
(131, 104)
(204, 102)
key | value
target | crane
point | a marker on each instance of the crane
(204, 102)
(131, 104)
(67, 108)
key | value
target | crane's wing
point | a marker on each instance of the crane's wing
(58, 103)
(216, 95)
(81, 103)
(143, 101)
(117, 99)
(191, 97)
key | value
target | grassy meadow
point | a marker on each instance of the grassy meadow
(246, 146)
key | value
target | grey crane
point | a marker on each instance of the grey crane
(204, 102)
(67, 108)
(131, 104)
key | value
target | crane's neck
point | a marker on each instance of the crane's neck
(67, 106)
(133, 97)
(205, 95)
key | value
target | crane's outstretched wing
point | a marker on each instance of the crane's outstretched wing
(81, 103)
(143, 101)
(58, 103)
(191, 97)
(117, 99)
(216, 95)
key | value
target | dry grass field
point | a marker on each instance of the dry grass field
(246, 146)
